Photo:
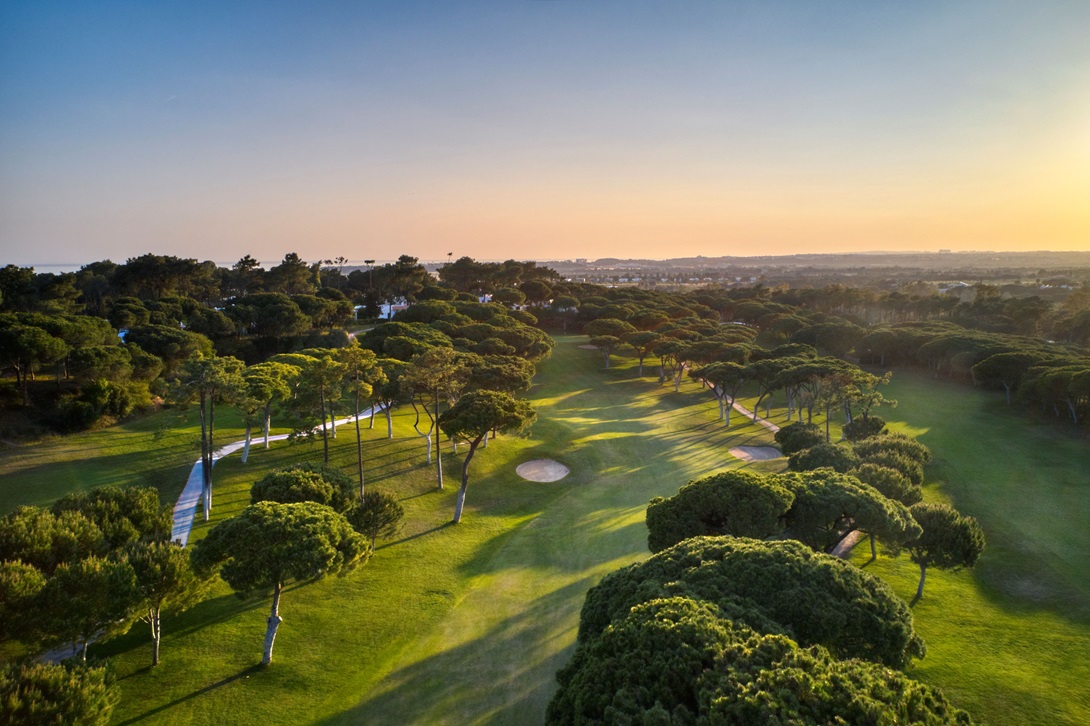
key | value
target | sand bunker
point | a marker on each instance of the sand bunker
(755, 453)
(542, 470)
(589, 347)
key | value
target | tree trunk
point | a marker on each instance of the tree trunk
(372, 424)
(607, 359)
(332, 421)
(204, 457)
(22, 380)
(156, 634)
(459, 503)
(389, 424)
(873, 548)
(325, 431)
(640, 374)
(359, 444)
(273, 623)
(268, 422)
(246, 446)
(827, 425)
(1007, 388)
(923, 576)
(438, 449)
(211, 450)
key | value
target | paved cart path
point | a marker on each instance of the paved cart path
(186, 509)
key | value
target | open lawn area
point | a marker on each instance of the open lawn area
(468, 623)
(155, 450)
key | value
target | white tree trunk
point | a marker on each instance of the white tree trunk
(273, 623)
(268, 423)
(156, 634)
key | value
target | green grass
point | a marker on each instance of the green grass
(1010, 639)
(447, 624)
(468, 623)
(154, 450)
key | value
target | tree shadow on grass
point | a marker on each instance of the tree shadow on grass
(503, 676)
(411, 537)
(244, 673)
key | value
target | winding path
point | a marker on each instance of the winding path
(749, 414)
(185, 511)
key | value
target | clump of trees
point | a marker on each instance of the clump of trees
(739, 631)
(46, 693)
(90, 567)
(738, 503)
(832, 490)
(814, 598)
(686, 660)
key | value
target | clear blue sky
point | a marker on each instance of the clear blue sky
(540, 128)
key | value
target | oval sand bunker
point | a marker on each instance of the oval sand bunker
(755, 453)
(542, 470)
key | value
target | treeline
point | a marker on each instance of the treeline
(992, 341)
(171, 310)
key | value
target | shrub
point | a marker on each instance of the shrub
(798, 436)
(859, 429)
(890, 482)
(899, 443)
(832, 456)
(910, 468)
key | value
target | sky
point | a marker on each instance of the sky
(540, 129)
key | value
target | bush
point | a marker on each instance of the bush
(44, 693)
(859, 429)
(798, 436)
(890, 482)
(899, 443)
(832, 456)
(910, 468)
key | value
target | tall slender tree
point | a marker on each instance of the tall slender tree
(361, 375)
(208, 381)
(433, 377)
